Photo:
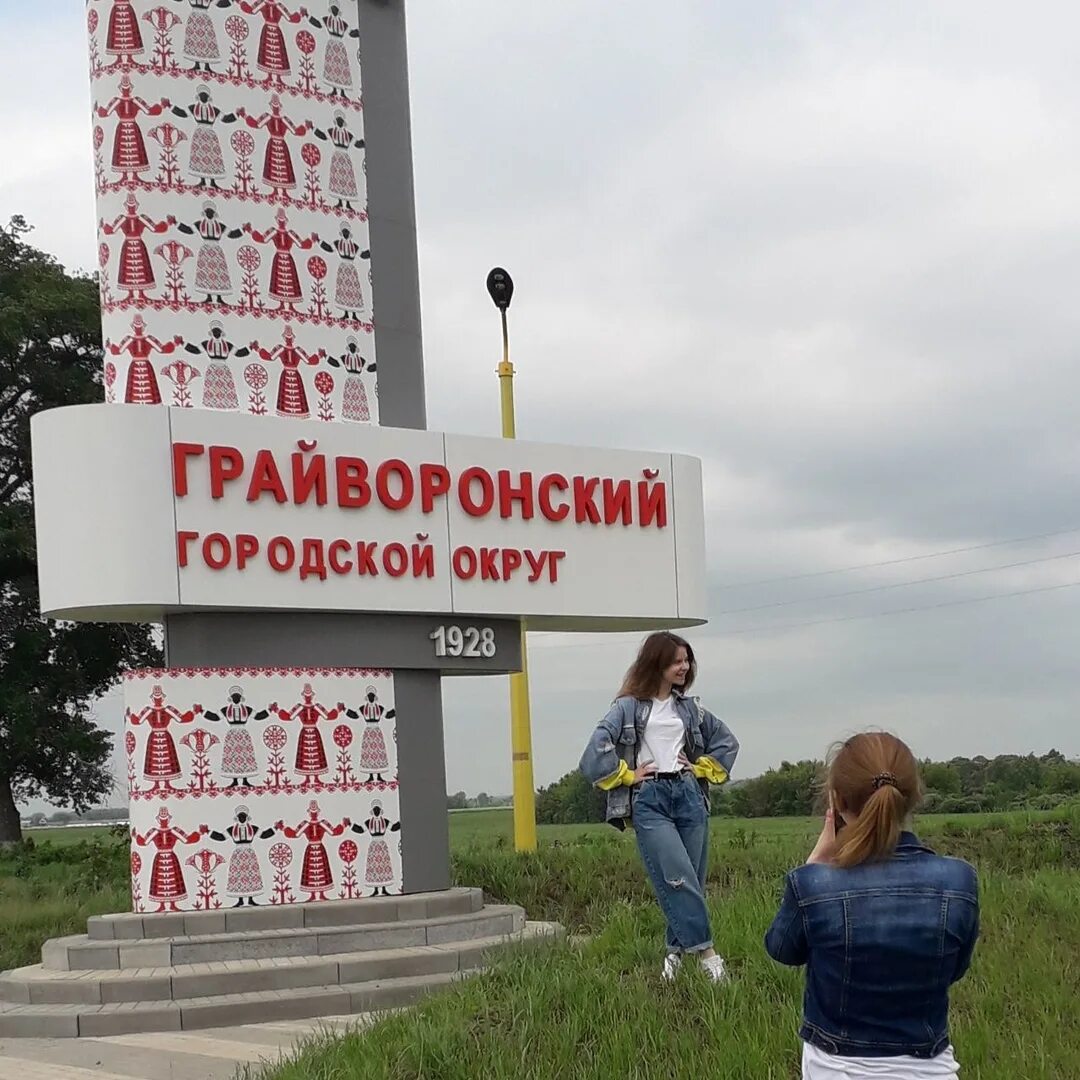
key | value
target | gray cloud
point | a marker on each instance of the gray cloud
(829, 248)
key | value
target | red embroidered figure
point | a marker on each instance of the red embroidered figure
(316, 877)
(142, 385)
(129, 156)
(343, 185)
(160, 763)
(207, 162)
(348, 295)
(273, 56)
(123, 39)
(354, 399)
(166, 877)
(337, 69)
(219, 386)
(379, 870)
(245, 875)
(310, 752)
(292, 397)
(212, 276)
(278, 171)
(284, 279)
(373, 757)
(135, 275)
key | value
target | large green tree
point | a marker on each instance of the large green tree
(50, 673)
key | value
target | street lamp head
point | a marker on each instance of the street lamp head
(500, 286)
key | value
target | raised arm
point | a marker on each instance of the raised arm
(601, 763)
(721, 750)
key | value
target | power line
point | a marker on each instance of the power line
(896, 562)
(900, 584)
(769, 627)
(898, 611)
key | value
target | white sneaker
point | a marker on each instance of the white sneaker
(715, 968)
(672, 963)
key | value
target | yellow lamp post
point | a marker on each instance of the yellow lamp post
(501, 288)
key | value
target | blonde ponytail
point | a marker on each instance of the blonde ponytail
(873, 776)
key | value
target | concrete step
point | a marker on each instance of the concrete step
(367, 992)
(39, 985)
(376, 909)
(80, 953)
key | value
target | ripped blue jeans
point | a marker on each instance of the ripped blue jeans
(671, 823)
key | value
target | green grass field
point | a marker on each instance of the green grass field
(600, 1008)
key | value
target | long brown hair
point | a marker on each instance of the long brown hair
(655, 656)
(876, 776)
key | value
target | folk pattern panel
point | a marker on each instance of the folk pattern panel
(254, 786)
(232, 202)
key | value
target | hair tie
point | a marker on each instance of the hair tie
(885, 778)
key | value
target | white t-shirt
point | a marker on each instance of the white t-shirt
(665, 735)
(818, 1065)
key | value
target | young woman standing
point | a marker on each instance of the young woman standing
(655, 753)
(883, 925)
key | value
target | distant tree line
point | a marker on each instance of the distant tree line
(959, 786)
(460, 801)
(96, 814)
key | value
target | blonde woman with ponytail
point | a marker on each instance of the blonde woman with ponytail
(883, 925)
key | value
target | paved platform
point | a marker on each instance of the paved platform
(200, 1055)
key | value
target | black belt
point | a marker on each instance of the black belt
(670, 775)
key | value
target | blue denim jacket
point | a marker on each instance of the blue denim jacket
(882, 943)
(617, 738)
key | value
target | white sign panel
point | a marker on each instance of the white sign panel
(143, 512)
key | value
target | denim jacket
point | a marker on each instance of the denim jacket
(612, 752)
(882, 943)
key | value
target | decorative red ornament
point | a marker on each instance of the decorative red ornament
(348, 851)
(99, 137)
(280, 856)
(274, 737)
(311, 155)
(162, 19)
(305, 42)
(236, 26)
(92, 21)
(129, 738)
(249, 258)
(342, 733)
(243, 143)
(136, 863)
(317, 267)
(167, 135)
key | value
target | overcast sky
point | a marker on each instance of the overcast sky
(830, 248)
